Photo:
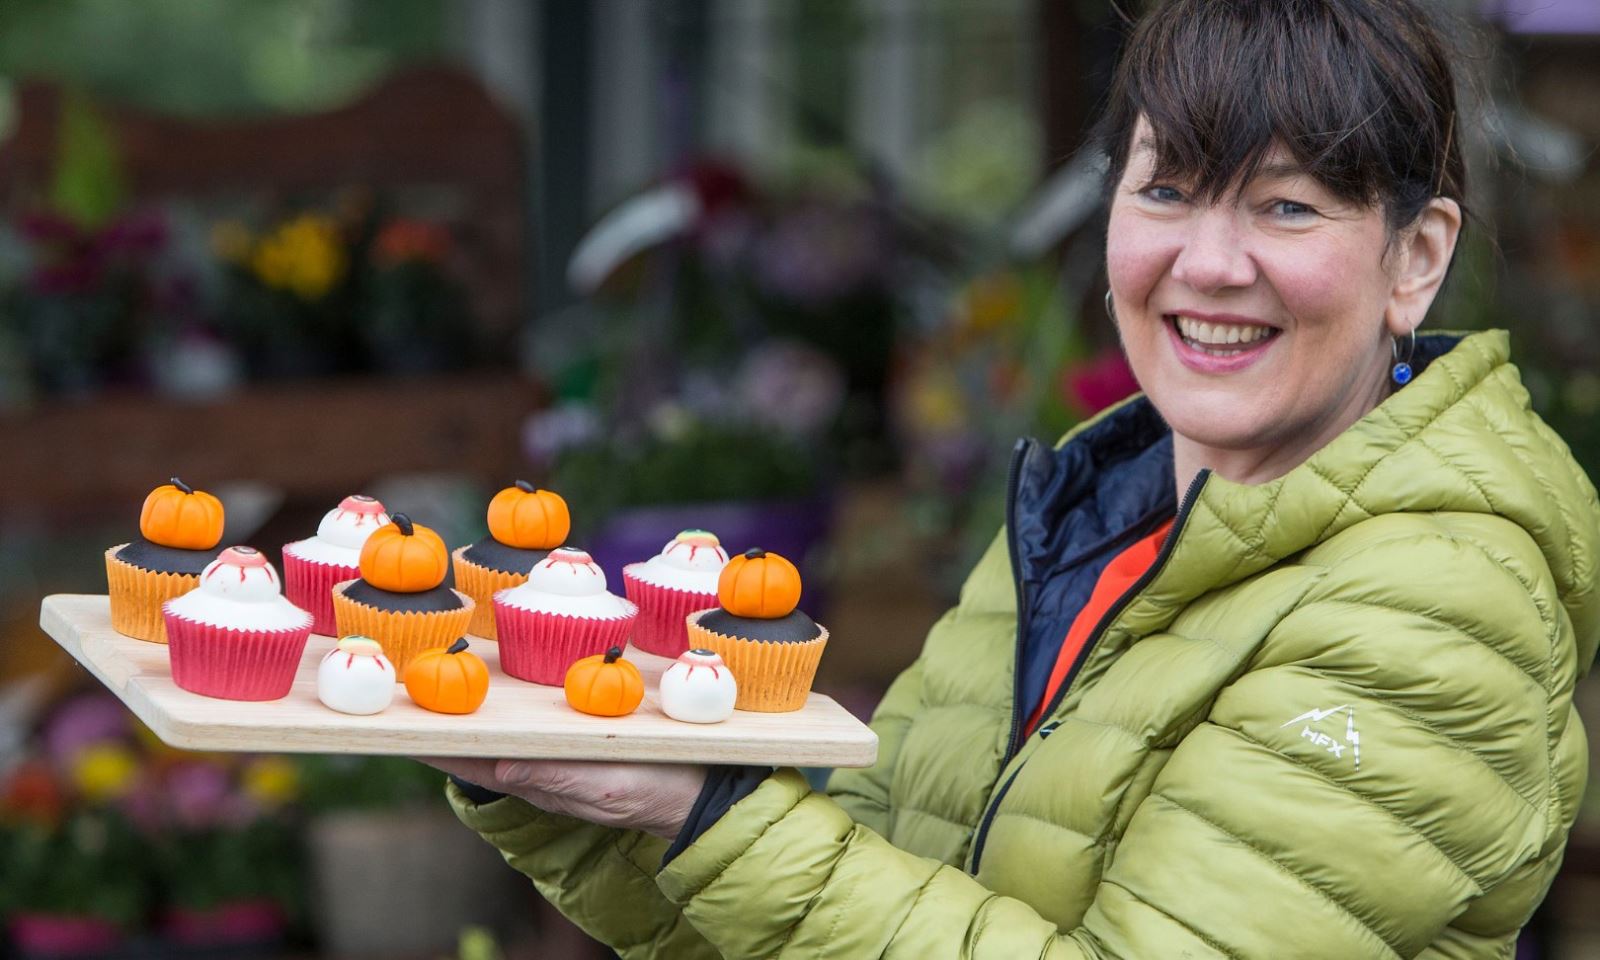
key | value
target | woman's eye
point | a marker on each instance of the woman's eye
(1291, 209)
(1163, 194)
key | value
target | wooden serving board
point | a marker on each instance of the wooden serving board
(518, 719)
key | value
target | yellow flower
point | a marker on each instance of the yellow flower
(271, 781)
(104, 772)
(304, 256)
(992, 301)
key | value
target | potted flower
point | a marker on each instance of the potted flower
(72, 877)
(226, 850)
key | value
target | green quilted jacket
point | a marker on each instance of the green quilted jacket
(1335, 720)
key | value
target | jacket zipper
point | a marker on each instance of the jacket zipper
(1111, 614)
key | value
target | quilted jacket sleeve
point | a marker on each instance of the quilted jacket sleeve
(601, 878)
(1257, 841)
(864, 794)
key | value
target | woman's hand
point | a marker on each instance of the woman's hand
(652, 797)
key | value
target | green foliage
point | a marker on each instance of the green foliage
(88, 186)
(331, 783)
(699, 462)
(195, 58)
(202, 869)
(86, 865)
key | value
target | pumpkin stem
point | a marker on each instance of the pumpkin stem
(182, 486)
(403, 522)
(613, 655)
(524, 486)
(754, 553)
(459, 646)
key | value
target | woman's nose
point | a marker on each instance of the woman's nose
(1214, 257)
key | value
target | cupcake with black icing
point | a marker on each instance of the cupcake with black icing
(179, 529)
(525, 524)
(771, 647)
(401, 599)
(312, 566)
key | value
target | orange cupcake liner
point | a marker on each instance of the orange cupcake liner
(403, 634)
(480, 583)
(137, 596)
(772, 677)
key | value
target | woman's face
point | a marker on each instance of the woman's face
(1259, 324)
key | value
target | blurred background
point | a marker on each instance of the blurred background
(799, 271)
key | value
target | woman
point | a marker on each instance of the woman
(1274, 661)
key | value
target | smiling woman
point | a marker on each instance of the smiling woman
(1275, 660)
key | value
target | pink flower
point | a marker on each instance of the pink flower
(1100, 382)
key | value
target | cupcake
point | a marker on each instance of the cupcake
(179, 529)
(769, 645)
(559, 616)
(235, 637)
(400, 599)
(524, 525)
(312, 566)
(674, 583)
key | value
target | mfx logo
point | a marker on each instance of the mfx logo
(1352, 738)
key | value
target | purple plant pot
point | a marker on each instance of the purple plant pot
(793, 528)
(56, 935)
(254, 922)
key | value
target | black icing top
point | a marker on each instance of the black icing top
(794, 628)
(145, 555)
(437, 600)
(495, 555)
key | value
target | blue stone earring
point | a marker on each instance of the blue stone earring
(1402, 367)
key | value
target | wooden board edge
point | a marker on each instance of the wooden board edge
(853, 753)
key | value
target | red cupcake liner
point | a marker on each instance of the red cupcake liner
(661, 628)
(234, 664)
(539, 647)
(308, 585)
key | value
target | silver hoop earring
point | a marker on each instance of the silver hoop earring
(1402, 365)
(1110, 310)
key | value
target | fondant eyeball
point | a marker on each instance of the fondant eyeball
(352, 521)
(568, 572)
(355, 677)
(699, 688)
(240, 573)
(694, 550)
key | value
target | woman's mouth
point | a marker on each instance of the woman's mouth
(1212, 346)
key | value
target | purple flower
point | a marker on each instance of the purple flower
(820, 253)
(199, 794)
(84, 721)
(791, 386)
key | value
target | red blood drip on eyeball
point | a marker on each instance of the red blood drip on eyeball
(363, 507)
(243, 558)
(574, 560)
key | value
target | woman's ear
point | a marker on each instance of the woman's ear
(1423, 258)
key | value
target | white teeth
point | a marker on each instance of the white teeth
(1221, 334)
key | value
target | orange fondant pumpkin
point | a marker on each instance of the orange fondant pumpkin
(177, 515)
(759, 584)
(448, 680)
(404, 557)
(606, 685)
(520, 516)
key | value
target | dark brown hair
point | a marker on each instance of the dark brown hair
(1360, 92)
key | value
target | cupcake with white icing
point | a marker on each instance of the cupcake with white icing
(674, 583)
(235, 637)
(562, 614)
(312, 566)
